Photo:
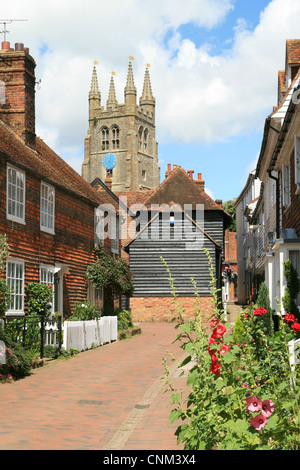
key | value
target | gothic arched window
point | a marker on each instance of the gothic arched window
(115, 137)
(105, 138)
(141, 138)
(145, 140)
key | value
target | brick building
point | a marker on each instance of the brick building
(47, 210)
(272, 219)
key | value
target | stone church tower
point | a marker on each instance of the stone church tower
(124, 134)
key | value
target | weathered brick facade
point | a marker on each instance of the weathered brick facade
(156, 309)
(28, 167)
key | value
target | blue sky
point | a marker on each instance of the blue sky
(214, 66)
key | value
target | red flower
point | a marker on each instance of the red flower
(214, 322)
(224, 349)
(219, 331)
(289, 318)
(258, 312)
(215, 368)
(50, 285)
(296, 327)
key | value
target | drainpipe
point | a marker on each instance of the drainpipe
(277, 203)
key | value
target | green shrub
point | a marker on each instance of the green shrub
(84, 311)
(263, 301)
(239, 330)
(124, 320)
(18, 361)
(292, 289)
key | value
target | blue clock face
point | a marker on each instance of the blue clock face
(109, 161)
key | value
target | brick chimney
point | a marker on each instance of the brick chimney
(200, 182)
(17, 106)
(168, 170)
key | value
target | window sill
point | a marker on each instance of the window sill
(15, 219)
(47, 230)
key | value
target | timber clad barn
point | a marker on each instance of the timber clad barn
(47, 210)
(180, 220)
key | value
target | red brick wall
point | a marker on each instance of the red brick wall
(291, 216)
(72, 244)
(159, 309)
(18, 112)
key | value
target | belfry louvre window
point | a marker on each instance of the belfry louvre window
(105, 138)
(15, 195)
(47, 207)
(115, 137)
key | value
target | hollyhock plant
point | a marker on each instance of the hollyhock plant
(213, 322)
(253, 404)
(267, 408)
(258, 422)
(219, 330)
(224, 349)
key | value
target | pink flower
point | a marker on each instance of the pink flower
(224, 349)
(267, 408)
(258, 422)
(214, 358)
(253, 404)
(258, 312)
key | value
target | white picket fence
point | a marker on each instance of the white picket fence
(82, 335)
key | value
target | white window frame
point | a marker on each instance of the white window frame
(47, 278)
(98, 227)
(17, 295)
(47, 208)
(286, 185)
(15, 194)
(297, 163)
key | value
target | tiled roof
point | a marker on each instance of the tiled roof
(46, 164)
(293, 51)
(180, 189)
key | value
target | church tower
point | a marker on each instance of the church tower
(120, 144)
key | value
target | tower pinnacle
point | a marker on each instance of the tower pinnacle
(130, 89)
(112, 100)
(147, 96)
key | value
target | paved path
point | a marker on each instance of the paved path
(107, 398)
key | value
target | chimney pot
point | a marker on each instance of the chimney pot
(5, 46)
(190, 173)
(199, 176)
(19, 46)
(169, 166)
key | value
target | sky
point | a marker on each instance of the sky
(213, 68)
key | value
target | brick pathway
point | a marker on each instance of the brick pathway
(111, 397)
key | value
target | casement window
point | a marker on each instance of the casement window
(47, 208)
(99, 227)
(15, 280)
(115, 239)
(15, 194)
(297, 163)
(286, 185)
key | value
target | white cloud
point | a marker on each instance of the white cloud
(201, 97)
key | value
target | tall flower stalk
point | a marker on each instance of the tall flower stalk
(227, 377)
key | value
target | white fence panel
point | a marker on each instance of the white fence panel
(82, 335)
(294, 351)
(51, 334)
